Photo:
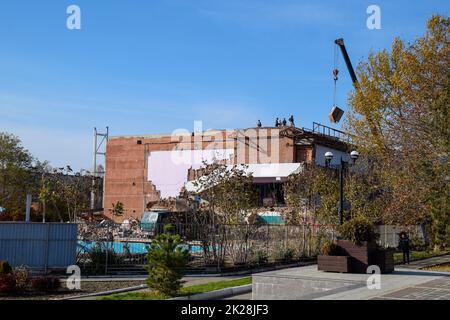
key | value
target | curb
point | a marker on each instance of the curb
(217, 294)
(252, 271)
(106, 293)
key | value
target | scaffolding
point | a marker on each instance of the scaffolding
(99, 149)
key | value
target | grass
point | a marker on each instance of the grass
(417, 255)
(441, 268)
(189, 290)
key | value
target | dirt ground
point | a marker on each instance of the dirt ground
(86, 288)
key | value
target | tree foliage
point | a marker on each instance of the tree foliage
(228, 198)
(15, 175)
(167, 259)
(313, 194)
(400, 118)
(64, 194)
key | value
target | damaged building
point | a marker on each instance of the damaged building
(149, 171)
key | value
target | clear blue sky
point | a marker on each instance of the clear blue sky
(155, 66)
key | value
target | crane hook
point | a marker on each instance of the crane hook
(335, 74)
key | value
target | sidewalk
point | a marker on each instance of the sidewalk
(429, 262)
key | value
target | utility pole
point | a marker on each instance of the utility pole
(341, 191)
(99, 148)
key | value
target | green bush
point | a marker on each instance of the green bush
(5, 267)
(357, 230)
(166, 261)
(98, 258)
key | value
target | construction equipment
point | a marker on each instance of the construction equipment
(340, 43)
(336, 113)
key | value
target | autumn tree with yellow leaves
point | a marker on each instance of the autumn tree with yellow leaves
(400, 118)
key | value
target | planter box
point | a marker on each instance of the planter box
(361, 254)
(334, 263)
(384, 259)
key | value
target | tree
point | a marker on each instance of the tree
(117, 209)
(167, 259)
(404, 95)
(312, 194)
(64, 194)
(228, 197)
(15, 175)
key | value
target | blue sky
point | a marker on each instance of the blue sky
(144, 67)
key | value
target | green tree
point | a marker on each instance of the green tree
(15, 175)
(117, 209)
(64, 194)
(312, 193)
(166, 261)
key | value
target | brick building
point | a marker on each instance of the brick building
(142, 170)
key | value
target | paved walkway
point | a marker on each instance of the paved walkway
(419, 264)
(438, 289)
(407, 284)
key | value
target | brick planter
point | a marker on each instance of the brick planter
(360, 254)
(333, 263)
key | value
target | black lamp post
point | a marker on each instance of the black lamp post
(354, 155)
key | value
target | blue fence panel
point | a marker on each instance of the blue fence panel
(38, 245)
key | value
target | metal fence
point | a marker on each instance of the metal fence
(115, 248)
(38, 245)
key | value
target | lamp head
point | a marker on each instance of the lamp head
(328, 155)
(354, 155)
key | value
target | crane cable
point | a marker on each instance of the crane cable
(335, 73)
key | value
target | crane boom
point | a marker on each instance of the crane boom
(340, 43)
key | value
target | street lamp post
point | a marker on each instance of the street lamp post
(341, 170)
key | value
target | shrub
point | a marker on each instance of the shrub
(166, 260)
(45, 284)
(357, 230)
(5, 267)
(329, 249)
(7, 282)
(97, 255)
(260, 257)
(285, 254)
(22, 277)
(417, 244)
